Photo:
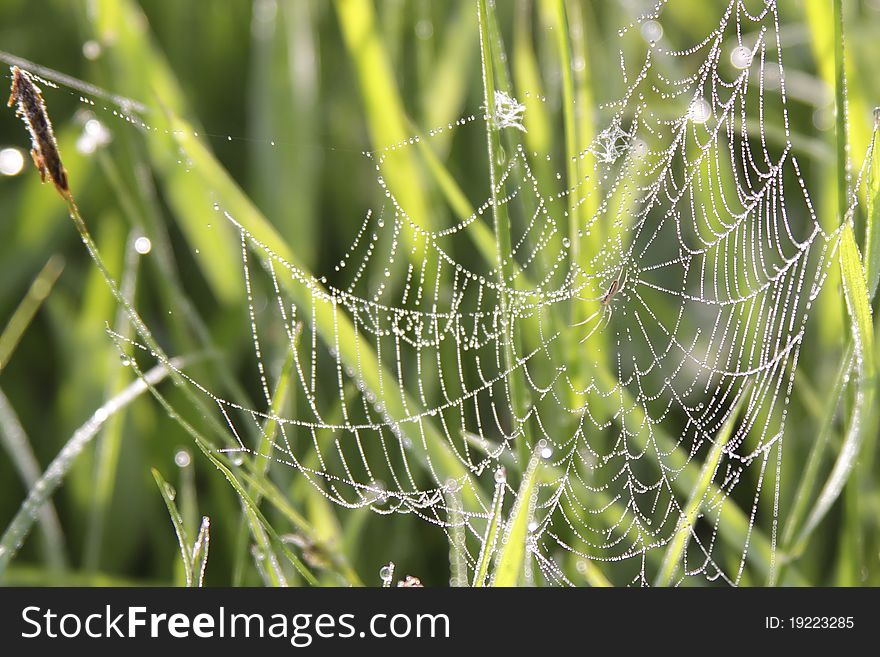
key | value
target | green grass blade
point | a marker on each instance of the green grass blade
(501, 222)
(24, 313)
(807, 482)
(859, 307)
(54, 475)
(169, 494)
(385, 112)
(458, 572)
(513, 551)
(17, 444)
(490, 538)
(701, 492)
(264, 452)
(109, 444)
(200, 552)
(563, 52)
(872, 213)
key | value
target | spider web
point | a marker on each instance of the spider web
(657, 342)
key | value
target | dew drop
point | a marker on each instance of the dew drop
(741, 57)
(386, 573)
(699, 110)
(11, 161)
(424, 29)
(652, 31)
(182, 458)
(91, 50)
(143, 245)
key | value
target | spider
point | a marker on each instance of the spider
(606, 309)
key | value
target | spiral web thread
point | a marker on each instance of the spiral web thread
(673, 315)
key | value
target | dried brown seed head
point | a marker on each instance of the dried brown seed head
(44, 149)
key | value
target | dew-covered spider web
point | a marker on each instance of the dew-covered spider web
(638, 340)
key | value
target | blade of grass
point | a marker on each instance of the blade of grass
(27, 309)
(700, 493)
(386, 116)
(512, 554)
(458, 571)
(284, 111)
(169, 494)
(18, 529)
(264, 451)
(490, 538)
(563, 52)
(109, 442)
(859, 307)
(872, 213)
(24, 460)
(501, 223)
(840, 113)
(447, 85)
(807, 482)
(200, 552)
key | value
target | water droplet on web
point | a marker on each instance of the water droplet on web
(500, 475)
(699, 110)
(386, 573)
(566, 242)
(652, 31)
(532, 526)
(741, 57)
